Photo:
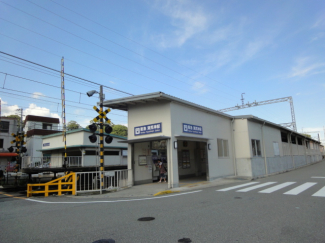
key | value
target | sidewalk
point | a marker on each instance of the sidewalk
(157, 189)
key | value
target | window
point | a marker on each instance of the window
(284, 137)
(222, 148)
(1, 143)
(307, 144)
(4, 126)
(293, 139)
(184, 159)
(256, 147)
(276, 149)
(47, 126)
(91, 152)
(94, 152)
(111, 152)
(299, 141)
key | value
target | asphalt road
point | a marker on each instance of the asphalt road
(215, 214)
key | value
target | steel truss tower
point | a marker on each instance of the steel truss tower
(291, 125)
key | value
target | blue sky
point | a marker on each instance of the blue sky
(206, 52)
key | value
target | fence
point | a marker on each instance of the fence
(63, 184)
(50, 162)
(90, 181)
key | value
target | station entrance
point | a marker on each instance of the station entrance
(192, 161)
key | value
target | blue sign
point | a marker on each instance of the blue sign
(147, 129)
(188, 128)
(46, 144)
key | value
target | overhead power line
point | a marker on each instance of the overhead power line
(115, 32)
(115, 44)
(58, 71)
(268, 102)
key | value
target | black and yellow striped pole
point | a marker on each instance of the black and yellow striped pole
(100, 119)
(101, 140)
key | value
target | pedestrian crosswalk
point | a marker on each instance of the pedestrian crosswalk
(299, 188)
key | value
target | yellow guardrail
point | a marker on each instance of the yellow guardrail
(56, 186)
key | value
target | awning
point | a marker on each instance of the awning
(8, 154)
(139, 140)
(191, 138)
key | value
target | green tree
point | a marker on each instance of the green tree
(16, 117)
(120, 130)
(306, 135)
(73, 125)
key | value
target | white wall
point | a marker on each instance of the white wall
(148, 114)
(6, 136)
(142, 174)
(30, 125)
(214, 127)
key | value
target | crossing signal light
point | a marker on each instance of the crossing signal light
(93, 127)
(11, 149)
(23, 149)
(108, 138)
(93, 138)
(108, 129)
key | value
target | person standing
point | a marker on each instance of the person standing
(162, 171)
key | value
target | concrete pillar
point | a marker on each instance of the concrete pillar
(130, 164)
(173, 179)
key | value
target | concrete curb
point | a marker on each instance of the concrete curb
(165, 192)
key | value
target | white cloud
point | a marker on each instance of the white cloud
(39, 111)
(187, 20)
(200, 87)
(313, 132)
(320, 22)
(8, 110)
(306, 66)
(31, 110)
(36, 95)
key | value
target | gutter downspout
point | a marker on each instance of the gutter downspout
(305, 151)
(233, 146)
(265, 162)
(293, 162)
(82, 156)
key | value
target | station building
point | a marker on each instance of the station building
(196, 141)
(80, 151)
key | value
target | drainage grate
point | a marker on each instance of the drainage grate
(105, 241)
(146, 219)
(186, 240)
(237, 197)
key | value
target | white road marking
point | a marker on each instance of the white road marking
(318, 177)
(126, 200)
(301, 188)
(277, 187)
(235, 187)
(320, 193)
(255, 187)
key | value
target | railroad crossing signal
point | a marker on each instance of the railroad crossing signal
(93, 127)
(19, 140)
(101, 115)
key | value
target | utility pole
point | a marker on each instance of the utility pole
(108, 129)
(242, 99)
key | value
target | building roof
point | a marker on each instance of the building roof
(81, 146)
(262, 121)
(41, 119)
(41, 132)
(80, 130)
(125, 103)
(8, 154)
